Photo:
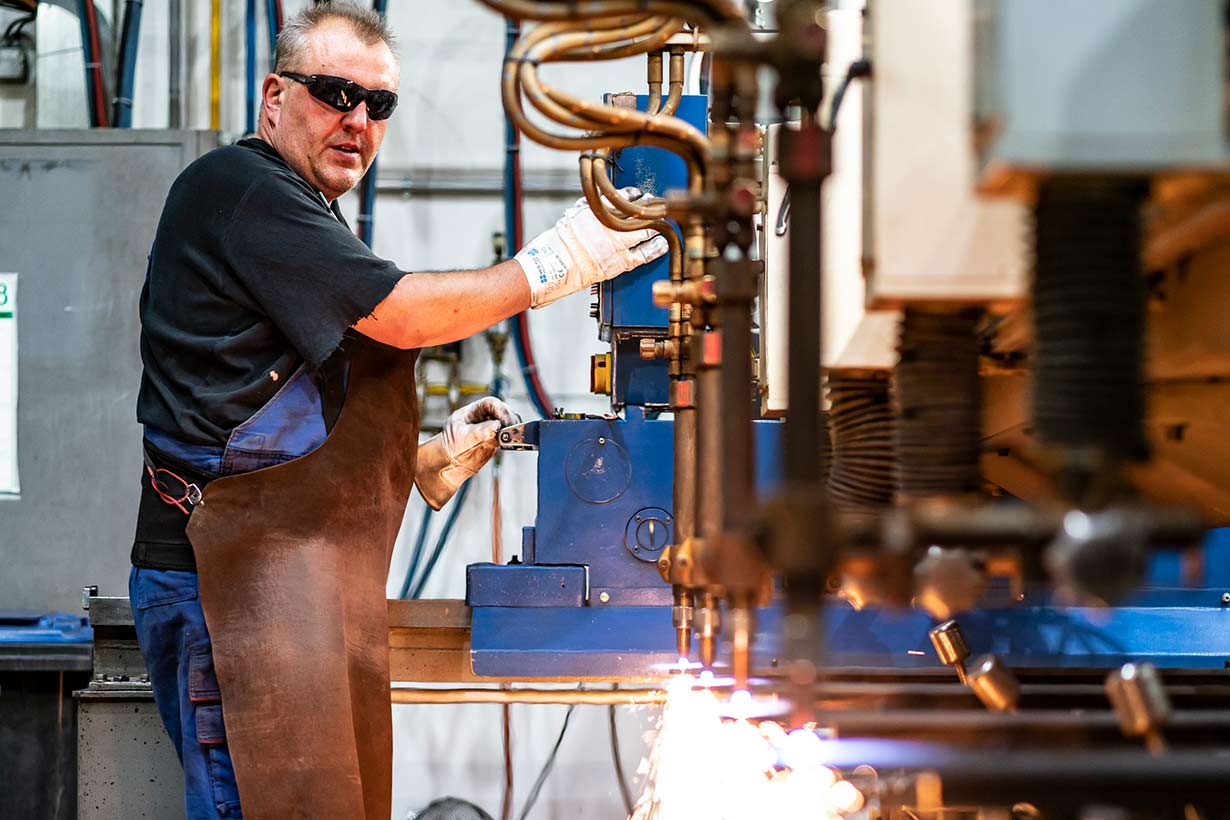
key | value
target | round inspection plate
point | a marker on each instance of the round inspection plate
(598, 470)
(648, 532)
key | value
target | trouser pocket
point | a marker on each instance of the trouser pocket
(211, 731)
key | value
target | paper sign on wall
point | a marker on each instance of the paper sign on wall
(9, 484)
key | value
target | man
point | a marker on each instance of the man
(281, 428)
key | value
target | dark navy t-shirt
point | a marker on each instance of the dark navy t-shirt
(251, 274)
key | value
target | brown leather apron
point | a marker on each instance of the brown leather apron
(292, 562)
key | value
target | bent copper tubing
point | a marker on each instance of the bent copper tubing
(543, 44)
(510, 93)
(586, 697)
(617, 50)
(602, 209)
(615, 222)
(608, 38)
(578, 112)
(618, 118)
(653, 77)
(675, 93)
(642, 209)
(706, 10)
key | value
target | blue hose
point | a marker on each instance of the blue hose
(250, 66)
(129, 39)
(88, 56)
(367, 188)
(367, 206)
(271, 16)
(458, 503)
(415, 557)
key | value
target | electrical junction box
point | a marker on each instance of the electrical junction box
(14, 66)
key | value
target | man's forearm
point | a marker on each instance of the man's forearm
(428, 309)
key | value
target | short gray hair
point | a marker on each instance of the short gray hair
(367, 24)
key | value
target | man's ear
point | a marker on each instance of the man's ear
(271, 93)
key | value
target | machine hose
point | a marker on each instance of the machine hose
(938, 401)
(1089, 317)
(250, 90)
(127, 69)
(860, 418)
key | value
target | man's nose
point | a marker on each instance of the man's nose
(356, 119)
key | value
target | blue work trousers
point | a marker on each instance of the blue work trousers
(171, 630)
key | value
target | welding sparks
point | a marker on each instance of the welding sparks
(701, 767)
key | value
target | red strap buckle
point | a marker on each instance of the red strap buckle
(191, 493)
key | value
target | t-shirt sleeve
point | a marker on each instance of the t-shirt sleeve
(312, 276)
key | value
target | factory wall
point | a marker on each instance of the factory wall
(449, 119)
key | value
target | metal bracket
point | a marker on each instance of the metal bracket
(520, 436)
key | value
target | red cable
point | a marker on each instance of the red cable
(531, 367)
(100, 101)
(277, 13)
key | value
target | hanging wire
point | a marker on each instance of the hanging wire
(458, 502)
(415, 557)
(624, 791)
(547, 766)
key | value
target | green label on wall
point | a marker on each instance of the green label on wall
(9, 485)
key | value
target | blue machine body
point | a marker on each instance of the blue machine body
(604, 503)
(585, 600)
(1182, 629)
(30, 627)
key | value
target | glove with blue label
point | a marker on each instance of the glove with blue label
(580, 251)
(467, 442)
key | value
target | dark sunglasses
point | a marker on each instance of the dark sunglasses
(345, 95)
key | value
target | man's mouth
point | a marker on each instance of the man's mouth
(349, 150)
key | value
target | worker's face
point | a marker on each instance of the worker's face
(330, 149)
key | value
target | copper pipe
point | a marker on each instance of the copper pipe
(685, 473)
(653, 77)
(576, 111)
(655, 209)
(602, 209)
(617, 222)
(615, 51)
(708, 620)
(741, 628)
(512, 103)
(676, 84)
(619, 118)
(586, 697)
(707, 10)
(605, 37)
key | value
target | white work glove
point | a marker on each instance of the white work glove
(580, 251)
(467, 442)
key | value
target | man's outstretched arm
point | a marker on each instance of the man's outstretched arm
(437, 308)
(426, 309)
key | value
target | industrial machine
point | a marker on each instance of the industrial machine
(970, 544)
(916, 435)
